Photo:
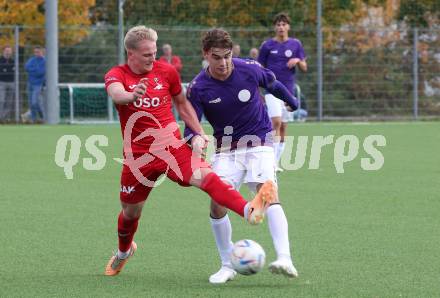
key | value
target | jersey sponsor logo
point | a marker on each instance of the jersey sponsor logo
(147, 102)
(274, 52)
(288, 53)
(127, 189)
(217, 100)
(165, 99)
(252, 62)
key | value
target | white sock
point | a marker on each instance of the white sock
(222, 230)
(275, 150)
(280, 151)
(246, 210)
(279, 231)
(123, 255)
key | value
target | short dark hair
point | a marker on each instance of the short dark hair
(281, 17)
(216, 38)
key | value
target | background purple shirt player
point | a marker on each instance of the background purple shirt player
(282, 55)
(275, 55)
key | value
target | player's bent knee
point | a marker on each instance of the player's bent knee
(198, 176)
(283, 128)
(217, 210)
(276, 123)
(132, 211)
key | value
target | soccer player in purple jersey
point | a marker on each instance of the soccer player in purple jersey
(282, 55)
(227, 93)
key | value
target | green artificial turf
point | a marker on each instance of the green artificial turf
(356, 234)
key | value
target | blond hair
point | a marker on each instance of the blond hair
(138, 33)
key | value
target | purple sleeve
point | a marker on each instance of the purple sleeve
(300, 53)
(262, 55)
(265, 77)
(281, 92)
(197, 105)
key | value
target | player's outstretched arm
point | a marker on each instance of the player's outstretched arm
(280, 91)
(121, 97)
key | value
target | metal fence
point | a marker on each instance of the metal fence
(368, 73)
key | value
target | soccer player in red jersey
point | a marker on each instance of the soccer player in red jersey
(143, 91)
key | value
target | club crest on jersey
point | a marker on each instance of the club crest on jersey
(159, 86)
(288, 53)
(244, 95)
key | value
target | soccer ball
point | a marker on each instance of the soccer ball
(247, 257)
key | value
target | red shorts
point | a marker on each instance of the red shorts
(178, 165)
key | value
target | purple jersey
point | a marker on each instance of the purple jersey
(275, 55)
(234, 102)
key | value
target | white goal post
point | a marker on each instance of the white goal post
(77, 115)
(88, 108)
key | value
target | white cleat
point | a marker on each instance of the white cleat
(284, 267)
(223, 275)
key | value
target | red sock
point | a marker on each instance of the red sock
(126, 230)
(223, 193)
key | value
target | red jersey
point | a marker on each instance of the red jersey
(162, 83)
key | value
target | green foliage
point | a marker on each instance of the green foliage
(90, 59)
(368, 77)
(419, 13)
(250, 13)
(31, 13)
(105, 12)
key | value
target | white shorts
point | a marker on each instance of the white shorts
(277, 108)
(251, 166)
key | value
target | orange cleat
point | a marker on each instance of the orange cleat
(116, 264)
(257, 208)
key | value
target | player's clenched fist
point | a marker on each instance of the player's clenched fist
(199, 144)
(140, 89)
(293, 62)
